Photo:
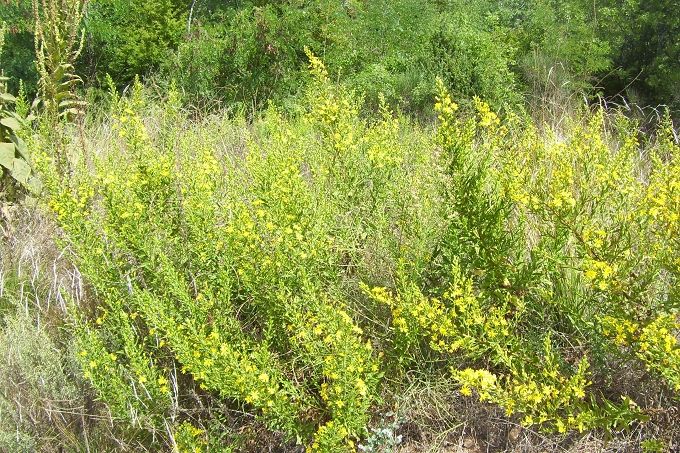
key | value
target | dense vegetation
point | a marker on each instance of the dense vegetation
(338, 226)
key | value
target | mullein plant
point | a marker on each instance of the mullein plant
(58, 43)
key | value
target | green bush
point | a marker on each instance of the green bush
(36, 390)
(128, 38)
(472, 60)
(394, 49)
(284, 268)
(45, 404)
(646, 52)
(562, 36)
(19, 50)
(250, 53)
(230, 332)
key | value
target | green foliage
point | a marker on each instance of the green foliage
(15, 161)
(33, 378)
(647, 52)
(129, 38)
(283, 268)
(43, 398)
(18, 53)
(252, 53)
(467, 51)
(653, 446)
(558, 37)
(503, 286)
(274, 311)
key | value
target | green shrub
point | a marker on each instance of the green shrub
(45, 404)
(251, 53)
(646, 53)
(563, 36)
(128, 38)
(36, 389)
(19, 51)
(472, 60)
(275, 308)
(283, 268)
(394, 49)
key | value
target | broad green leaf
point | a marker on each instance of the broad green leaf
(74, 112)
(34, 184)
(21, 171)
(7, 154)
(7, 97)
(59, 73)
(11, 123)
(30, 202)
(21, 148)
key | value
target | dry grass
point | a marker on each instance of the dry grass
(432, 417)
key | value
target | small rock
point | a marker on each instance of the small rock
(470, 445)
(514, 433)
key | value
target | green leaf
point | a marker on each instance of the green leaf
(59, 73)
(30, 202)
(21, 148)
(7, 155)
(10, 123)
(34, 184)
(7, 97)
(21, 171)
(74, 112)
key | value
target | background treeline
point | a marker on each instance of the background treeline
(251, 51)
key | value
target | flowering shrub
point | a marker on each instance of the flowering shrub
(569, 235)
(282, 268)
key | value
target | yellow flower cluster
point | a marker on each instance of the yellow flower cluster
(240, 268)
(487, 118)
(458, 321)
(116, 379)
(316, 66)
(349, 372)
(232, 366)
(655, 344)
(594, 238)
(661, 203)
(446, 114)
(545, 396)
(599, 274)
(190, 439)
(332, 438)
